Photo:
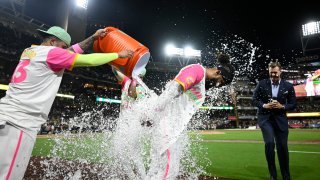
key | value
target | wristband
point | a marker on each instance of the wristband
(123, 82)
(134, 83)
(77, 48)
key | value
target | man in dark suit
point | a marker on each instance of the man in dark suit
(274, 97)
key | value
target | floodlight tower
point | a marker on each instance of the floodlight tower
(77, 24)
(62, 18)
(17, 6)
(310, 36)
(72, 16)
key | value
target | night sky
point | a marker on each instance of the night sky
(273, 28)
(267, 23)
(204, 24)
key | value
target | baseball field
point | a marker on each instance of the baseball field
(233, 154)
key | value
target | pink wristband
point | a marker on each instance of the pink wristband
(124, 81)
(134, 82)
(77, 48)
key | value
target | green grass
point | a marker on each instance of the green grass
(247, 161)
(231, 160)
(42, 147)
(88, 147)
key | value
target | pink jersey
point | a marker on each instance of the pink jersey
(192, 79)
(190, 76)
(34, 85)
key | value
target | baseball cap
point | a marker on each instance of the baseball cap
(227, 71)
(57, 32)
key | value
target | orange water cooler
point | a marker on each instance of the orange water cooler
(116, 41)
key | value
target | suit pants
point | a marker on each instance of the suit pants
(273, 136)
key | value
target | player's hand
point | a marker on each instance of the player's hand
(125, 54)
(100, 33)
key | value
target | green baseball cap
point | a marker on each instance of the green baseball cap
(57, 32)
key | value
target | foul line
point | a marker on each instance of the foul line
(254, 141)
(304, 152)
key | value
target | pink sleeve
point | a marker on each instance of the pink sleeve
(59, 59)
(190, 76)
(77, 49)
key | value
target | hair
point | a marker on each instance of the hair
(48, 37)
(274, 64)
(223, 58)
(227, 72)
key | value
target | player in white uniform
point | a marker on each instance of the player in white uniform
(175, 107)
(130, 134)
(32, 90)
(130, 89)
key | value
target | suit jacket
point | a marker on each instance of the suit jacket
(263, 94)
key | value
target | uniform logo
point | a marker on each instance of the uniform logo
(189, 80)
(28, 54)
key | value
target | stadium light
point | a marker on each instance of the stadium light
(65, 96)
(311, 28)
(82, 3)
(190, 52)
(171, 50)
(306, 114)
(217, 107)
(100, 99)
(109, 100)
(6, 87)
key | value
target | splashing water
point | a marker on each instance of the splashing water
(168, 152)
(243, 53)
(129, 150)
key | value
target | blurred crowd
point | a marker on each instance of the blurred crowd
(86, 84)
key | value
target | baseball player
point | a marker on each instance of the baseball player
(32, 90)
(175, 107)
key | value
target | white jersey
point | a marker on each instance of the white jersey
(176, 113)
(126, 100)
(34, 85)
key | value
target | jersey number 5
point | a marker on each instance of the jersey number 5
(20, 74)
